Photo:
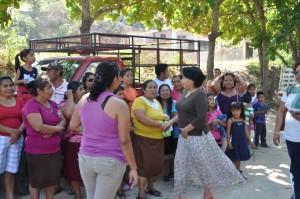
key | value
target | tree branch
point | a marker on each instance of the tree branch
(282, 58)
(116, 7)
(249, 12)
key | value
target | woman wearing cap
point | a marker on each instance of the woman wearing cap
(105, 144)
(199, 162)
(44, 122)
(11, 139)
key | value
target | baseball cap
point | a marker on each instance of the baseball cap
(52, 65)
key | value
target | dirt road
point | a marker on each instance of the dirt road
(267, 172)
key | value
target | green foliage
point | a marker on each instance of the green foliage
(5, 11)
(10, 43)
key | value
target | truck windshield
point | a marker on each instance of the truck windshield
(69, 67)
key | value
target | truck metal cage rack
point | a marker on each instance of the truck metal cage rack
(141, 50)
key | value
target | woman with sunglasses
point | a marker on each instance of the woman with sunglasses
(289, 114)
(87, 81)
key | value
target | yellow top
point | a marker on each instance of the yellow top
(153, 110)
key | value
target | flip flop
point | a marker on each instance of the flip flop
(121, 194)
(155, 193)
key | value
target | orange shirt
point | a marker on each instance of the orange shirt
(130, 94)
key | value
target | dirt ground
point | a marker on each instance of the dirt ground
(267, 172)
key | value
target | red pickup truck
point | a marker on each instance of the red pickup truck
(75, 67)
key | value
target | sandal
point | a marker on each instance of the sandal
(154, 192)
(166, 178)
(121, 194)
(139, 197)
(210, 196)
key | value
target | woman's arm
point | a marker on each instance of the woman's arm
(216, 85)
(221, 122)
(14, 133)
(123, 118)
(279, 122)
(75, 123)
(36, 122)
(242, 85)
(70, 105)
(141, 117)
(21, 81)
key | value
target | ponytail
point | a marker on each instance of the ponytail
(17, 62)
(22, 54)
(104, 77)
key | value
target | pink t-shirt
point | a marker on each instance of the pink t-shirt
(209, 118)
(11, 116)
(175, 95)
(35, 143)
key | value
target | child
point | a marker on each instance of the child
(26, 74)
(216, 125)
(127, 79)
(238, 137)
(260, 110)
(249, 114)
(251, 90)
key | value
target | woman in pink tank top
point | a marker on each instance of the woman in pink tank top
(105, 145)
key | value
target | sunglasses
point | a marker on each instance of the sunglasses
(296, 72)
(90, 80)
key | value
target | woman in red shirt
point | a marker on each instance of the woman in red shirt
(11, 128)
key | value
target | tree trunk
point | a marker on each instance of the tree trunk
(265, 87)
(264, 61)
(273, 77)
(260, 58)
(210, 63)
(295, 53)
(87, 21)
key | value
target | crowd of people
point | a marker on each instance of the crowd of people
(100, 132)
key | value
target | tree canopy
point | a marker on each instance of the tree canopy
(5, 11)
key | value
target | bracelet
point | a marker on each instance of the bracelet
(275, 132)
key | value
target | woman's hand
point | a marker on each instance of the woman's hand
(162, 126)
(24, 81)
(276, 138)
(69, 94)
(184, 133)
(133, 178)
(131, 127)
(14, 135)
(229, 146)
(252, 145)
